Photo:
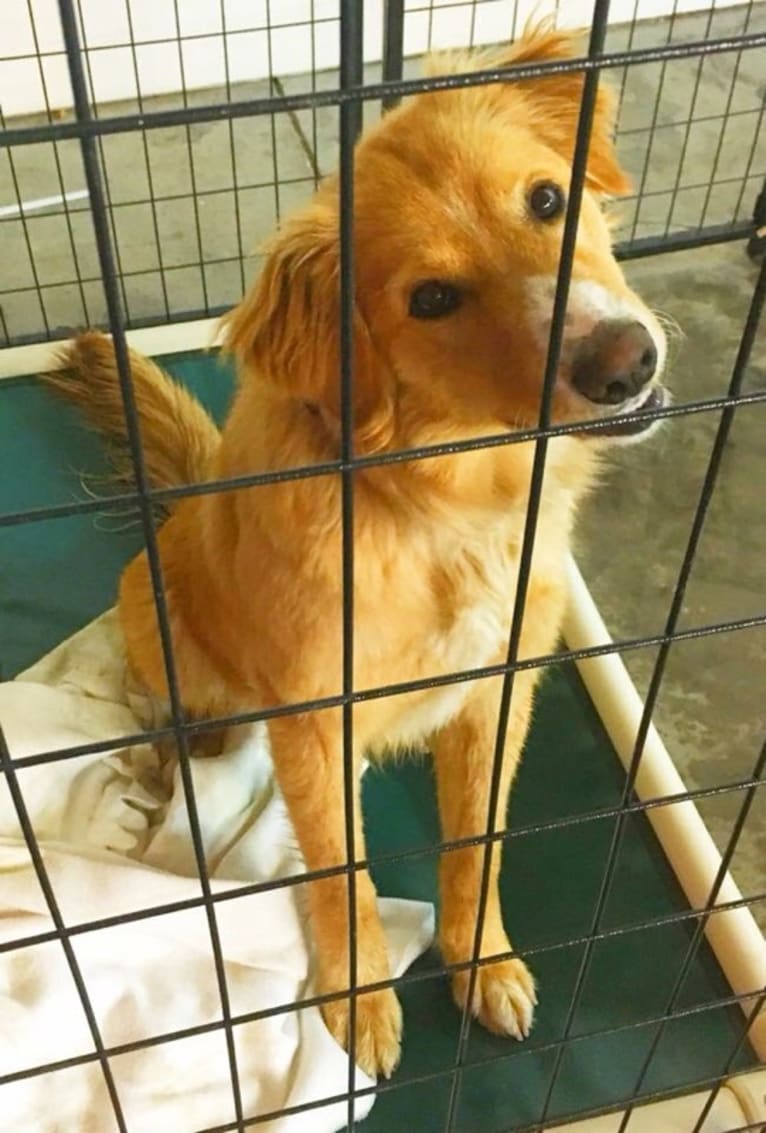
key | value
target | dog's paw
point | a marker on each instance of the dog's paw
(378, 1030)
(504, 997)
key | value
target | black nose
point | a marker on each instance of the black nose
(614, 362)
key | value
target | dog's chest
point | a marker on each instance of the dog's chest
(473, 633)
(465, 627)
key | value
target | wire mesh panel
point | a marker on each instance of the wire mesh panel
(138, 205)
(189, 203)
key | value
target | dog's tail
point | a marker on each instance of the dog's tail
(179, 439)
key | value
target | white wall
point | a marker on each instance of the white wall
(202, 46)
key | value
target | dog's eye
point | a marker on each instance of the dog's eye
(547, 200)
(434, 299)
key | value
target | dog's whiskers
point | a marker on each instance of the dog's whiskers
(673, 333)
(669, 325)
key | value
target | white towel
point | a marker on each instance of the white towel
(114, 834)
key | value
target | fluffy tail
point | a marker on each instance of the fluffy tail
(179, 438)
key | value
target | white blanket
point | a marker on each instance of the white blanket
(114, 835)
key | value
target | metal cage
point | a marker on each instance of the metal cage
(66, 176)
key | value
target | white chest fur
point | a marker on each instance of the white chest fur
(473, 633)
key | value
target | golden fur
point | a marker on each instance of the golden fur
(253, 576)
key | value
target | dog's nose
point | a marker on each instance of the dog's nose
(614, 362)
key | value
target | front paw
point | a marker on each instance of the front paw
(504, 997)
(378, 1030)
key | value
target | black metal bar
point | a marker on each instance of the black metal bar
(235, 190)
(273, 117)
(652, 128)
(594, 1112)
(531, 1049)
(59, 173)
(517, 832)
(513, 834)
(247, 108)
(61, 934)
(153, 198)
(751, 1127)
(629, 47)
(425, 452)
(402, 856)
(555, 342)
(696, 238)
(314, 147)
(725, 118)
(200, 726)
(351, 76)
(756, 245)
(22, 217)
(163, 41)
(430, 32)
(194, 195)
(94, 183)
(169, 198)
(634, 249)
(413, 976)
(393, 46)
(725, 115)
(106, 186)
(404, 1083)
(748, 171)
(351, 79)
(674, 613)
(688, 131)
(643, 246)
(472, 28)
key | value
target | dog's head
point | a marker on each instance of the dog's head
(459, 207)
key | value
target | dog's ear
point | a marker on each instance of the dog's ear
(286, 330)
(551, 104)
(554, 104)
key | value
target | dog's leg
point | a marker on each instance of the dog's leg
(504, 994)
(307, 756)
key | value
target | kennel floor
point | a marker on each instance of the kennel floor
(55, 575)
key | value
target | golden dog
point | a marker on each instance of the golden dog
(459, 208)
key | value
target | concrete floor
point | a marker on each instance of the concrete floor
(187, 202)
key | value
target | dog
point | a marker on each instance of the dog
(459, 206)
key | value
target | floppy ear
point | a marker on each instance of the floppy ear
(552, 103)
(286, 330)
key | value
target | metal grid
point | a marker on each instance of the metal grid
(191, 198)
(91, 132)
